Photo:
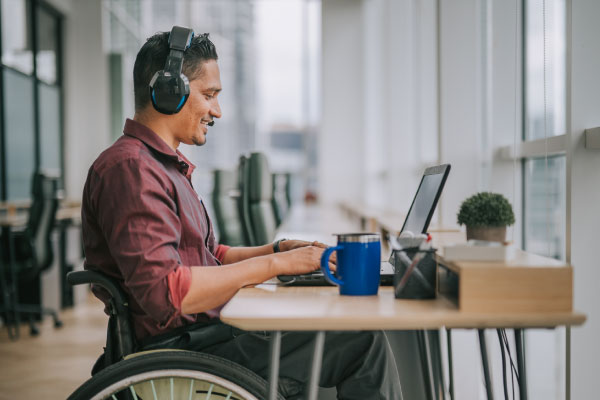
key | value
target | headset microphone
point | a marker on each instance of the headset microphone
(211, 123)
(170, 88)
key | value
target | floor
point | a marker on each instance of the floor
(53, 364)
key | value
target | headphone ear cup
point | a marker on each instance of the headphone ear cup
(169, 93)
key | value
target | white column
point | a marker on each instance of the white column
(341, 152)
(460, 130)
(86, 92)
(585, 194)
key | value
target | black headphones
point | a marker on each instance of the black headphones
(169, 88)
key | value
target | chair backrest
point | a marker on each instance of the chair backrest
(120, 340)
(243, 201)
(42, 218)
(225, 204)
(288, 189)
(278, 198)
(260, 194)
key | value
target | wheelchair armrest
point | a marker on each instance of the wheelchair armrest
(97, 278)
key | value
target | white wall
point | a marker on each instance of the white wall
(585, 195)
(87, 130)
(378, 57)
(341, 143)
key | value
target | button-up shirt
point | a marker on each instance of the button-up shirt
(144, 224)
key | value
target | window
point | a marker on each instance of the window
(31, 97)
(544, 100)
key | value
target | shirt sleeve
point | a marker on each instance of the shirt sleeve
(179, 282)
(138, 218)
(220, 252)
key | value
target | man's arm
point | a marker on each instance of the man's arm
(213, 286)
(236, 254)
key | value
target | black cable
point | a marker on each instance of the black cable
(512, 371)
(514, 368)
(503, 364)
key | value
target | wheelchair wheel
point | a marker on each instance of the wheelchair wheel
(173, 375)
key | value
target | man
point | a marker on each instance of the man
(144, 225)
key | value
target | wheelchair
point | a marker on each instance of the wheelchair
(128, 370)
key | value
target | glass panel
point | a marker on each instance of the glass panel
(50, 127)
(545, 70)
(545, 206)
(19, 134)
(47, 47)
(16, 35)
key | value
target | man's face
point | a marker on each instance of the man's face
(201, 107)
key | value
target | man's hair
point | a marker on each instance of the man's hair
(153, 55)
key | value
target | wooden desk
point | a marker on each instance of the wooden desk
(322, 308)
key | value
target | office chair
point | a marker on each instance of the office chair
(278, 197)
(224, 200)
(243, 201)
(30, 251)
(288, 189)
(260, 192)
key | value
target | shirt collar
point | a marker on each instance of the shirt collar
(151, 139)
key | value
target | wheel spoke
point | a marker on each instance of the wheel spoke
(114, 398)
(191, 388)
(210, 389)
(133, 393)
(153, 389)
(172, 396)
(228, 396)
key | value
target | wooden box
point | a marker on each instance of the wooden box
(527, 283)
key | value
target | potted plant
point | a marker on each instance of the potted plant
(486, 216)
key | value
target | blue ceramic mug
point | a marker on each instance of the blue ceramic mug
(358, 263)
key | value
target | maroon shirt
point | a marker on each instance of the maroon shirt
(144, 225)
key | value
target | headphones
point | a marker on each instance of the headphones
(169, 88)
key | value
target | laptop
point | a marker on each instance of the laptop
(417, 221)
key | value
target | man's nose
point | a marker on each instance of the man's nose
(215, 110)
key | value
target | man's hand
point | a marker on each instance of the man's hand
(287, 245)
(301, 260)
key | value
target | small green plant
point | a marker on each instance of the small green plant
(486, 209)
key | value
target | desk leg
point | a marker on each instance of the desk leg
(520, 343)
(568, 363)
(15, 283)
(486, 366)
(450, 367)
(436, 353)
(425, 353)
(315, 371)
(275, 350)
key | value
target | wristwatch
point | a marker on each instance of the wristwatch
(276, 248)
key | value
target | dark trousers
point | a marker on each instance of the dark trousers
(360, 365)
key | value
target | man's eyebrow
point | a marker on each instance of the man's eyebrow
(212, 89)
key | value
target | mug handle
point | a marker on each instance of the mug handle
(325, 265)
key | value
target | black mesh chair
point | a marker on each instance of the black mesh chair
(28, 253)
(243, 201)
(279, 197)
(224, 200)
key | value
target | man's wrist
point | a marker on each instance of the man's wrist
(277, 245)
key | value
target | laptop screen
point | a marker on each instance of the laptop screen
(425, 201)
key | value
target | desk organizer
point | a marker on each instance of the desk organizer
(526, 283)
(418, 282)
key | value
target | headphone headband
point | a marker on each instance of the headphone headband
(170, 88)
